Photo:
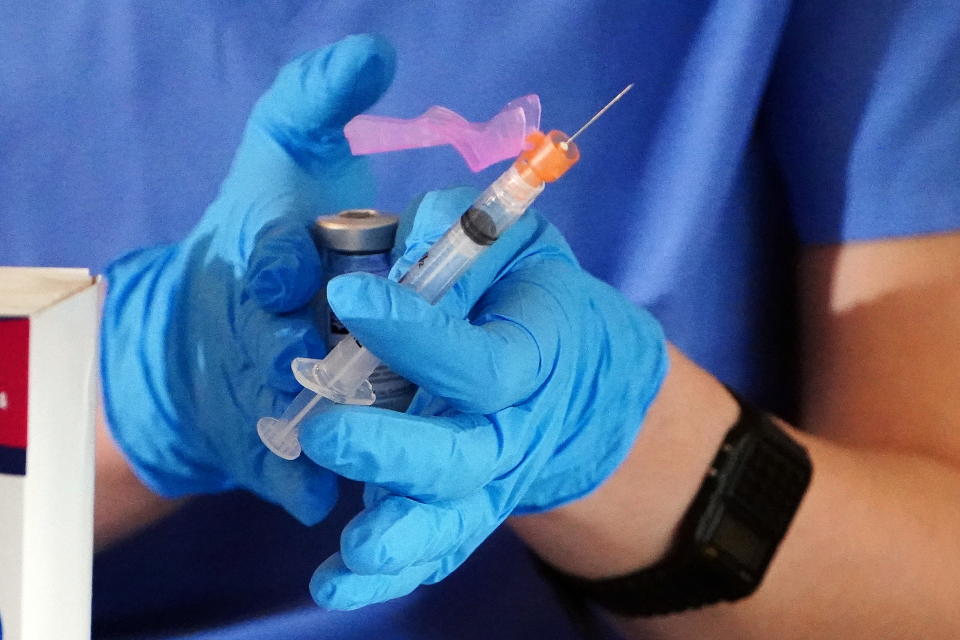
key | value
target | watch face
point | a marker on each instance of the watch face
(736, 539)
(757, 488)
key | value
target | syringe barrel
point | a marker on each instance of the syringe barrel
(497, 208)
(342, 372)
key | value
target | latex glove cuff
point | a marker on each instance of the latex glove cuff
(133, 366)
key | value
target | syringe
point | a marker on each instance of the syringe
(342, 376)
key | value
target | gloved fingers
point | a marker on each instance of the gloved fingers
(315, 95)
(398, 532)
(428, 459)
(284, 270)
(306, 491)
(478, 369)
(274, 341)
(334, 586)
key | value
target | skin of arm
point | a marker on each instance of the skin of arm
(122, 504)
(873, 551)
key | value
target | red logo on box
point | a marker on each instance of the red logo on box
(14, 367)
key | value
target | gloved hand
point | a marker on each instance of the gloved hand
(198, 336)
(535, 378)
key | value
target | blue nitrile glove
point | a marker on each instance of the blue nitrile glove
(198, 336)
(529, 403)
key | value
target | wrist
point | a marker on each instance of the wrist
(588, 457)
(630, 520)
(605, 407)
(728, 535)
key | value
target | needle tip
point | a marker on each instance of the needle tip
(601, 112)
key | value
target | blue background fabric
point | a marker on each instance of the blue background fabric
(756, 126)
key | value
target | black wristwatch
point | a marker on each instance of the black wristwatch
(727, 536)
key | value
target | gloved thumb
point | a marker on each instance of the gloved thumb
(303, 113)
(478, 368)
(435, 212)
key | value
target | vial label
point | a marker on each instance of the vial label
(392, 391)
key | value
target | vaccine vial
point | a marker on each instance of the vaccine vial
(351, 241)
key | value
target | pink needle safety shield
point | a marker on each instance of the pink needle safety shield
(480, 143)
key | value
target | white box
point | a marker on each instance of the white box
(48, 394)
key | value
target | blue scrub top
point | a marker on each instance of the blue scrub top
(756, 126)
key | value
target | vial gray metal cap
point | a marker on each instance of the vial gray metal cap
(357, 231)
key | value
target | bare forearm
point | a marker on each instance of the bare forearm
(871, 553)
(122, 504)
